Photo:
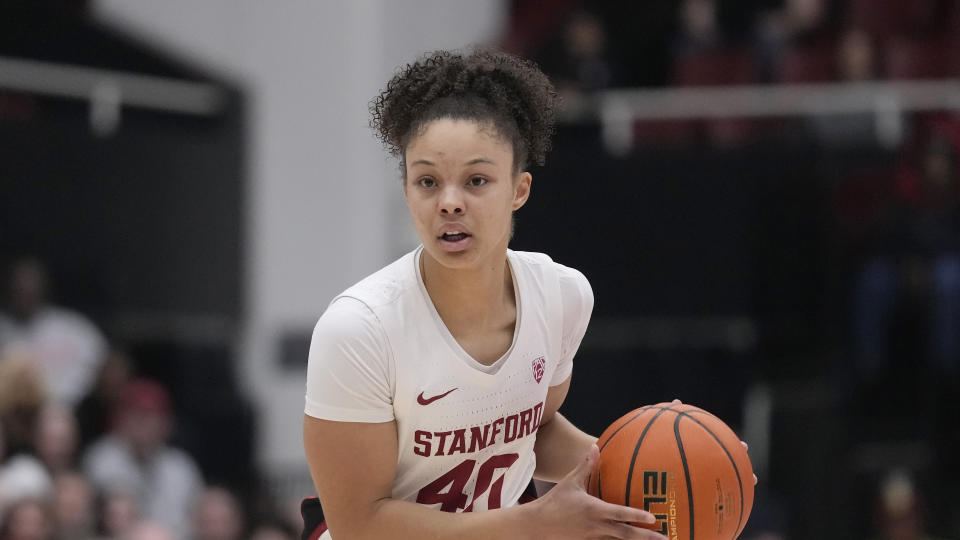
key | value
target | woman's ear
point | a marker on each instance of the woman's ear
(521, 189)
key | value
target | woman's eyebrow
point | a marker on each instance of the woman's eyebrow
(481, 159)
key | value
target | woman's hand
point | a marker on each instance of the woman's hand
(568, 511)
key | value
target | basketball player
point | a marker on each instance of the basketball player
(434, 384)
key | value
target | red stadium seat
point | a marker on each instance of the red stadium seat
(807, 64)
(907, 58)
(882, 18)
(726, 66)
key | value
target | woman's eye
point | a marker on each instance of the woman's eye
(427, 182)
(478, 181)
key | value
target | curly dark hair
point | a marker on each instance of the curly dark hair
(484, 85)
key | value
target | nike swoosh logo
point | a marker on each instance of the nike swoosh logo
(426, 401)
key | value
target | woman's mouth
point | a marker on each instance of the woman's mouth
(454, 241)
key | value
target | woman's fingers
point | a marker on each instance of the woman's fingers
(629, 532)
(623, 514)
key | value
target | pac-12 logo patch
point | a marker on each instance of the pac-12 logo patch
(538, 367)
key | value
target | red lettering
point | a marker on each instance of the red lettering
(459, 442)
(421, 441)
(443, 439)
(495, 430)
(486, 475)
(447, 491)
(478, 440)
(454, 497)
(537, 414)
(525, 418)
(510, 429)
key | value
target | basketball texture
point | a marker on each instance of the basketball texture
(680, 463)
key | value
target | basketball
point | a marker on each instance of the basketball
(680, 463)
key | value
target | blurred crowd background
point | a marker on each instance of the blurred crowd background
(185, 185)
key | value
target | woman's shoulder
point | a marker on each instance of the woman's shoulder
(542, 263)
(385, 286)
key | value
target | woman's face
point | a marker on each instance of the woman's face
(462, 191)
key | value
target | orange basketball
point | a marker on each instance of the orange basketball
(680, 463)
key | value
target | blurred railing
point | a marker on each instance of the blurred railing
(110, 88)
(617, 110)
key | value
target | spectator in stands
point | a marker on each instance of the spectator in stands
(27, 519)
(699, 29)
(915, 252)
(95, 412)
(580, 64)
(272, 531)
(21, 400)
(55, 441)
(797, 23)
(73, 507)
(135, 458)
(218, 516)
(150, 531)
(66, 346)
(119, 514)
(856, 62)
(856, 57)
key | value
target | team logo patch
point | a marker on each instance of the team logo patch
(538, 368)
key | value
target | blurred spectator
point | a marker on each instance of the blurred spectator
(23, 477)
(3, 456)
(272, 531)
(580, 64)
(27, 519)
(22, 398)
(95, 412)
(915, 253)
(699, 29)
(135, 458)
(73, 507)
(119, 514)
(797, 23)
(218, 516)
(856, 57)
(66, 346)
(900, 510)
(150, 531)
(855, 62)
(55, 442)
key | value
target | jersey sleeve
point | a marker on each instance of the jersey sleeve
(349, 371)
(577, 300)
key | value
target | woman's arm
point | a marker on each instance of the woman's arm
(353, 465)
(560, 445)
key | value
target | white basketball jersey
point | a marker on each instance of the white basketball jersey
(466, 431)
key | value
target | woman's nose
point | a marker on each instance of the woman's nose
(451, 201)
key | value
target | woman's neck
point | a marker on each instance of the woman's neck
(475, 298)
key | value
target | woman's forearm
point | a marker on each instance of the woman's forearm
(560, 448)
(391, 518)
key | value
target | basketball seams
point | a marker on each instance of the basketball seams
(736, 469)
(625, 424)
(686, 468)
(636, 450)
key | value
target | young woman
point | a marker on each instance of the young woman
(434, 384)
